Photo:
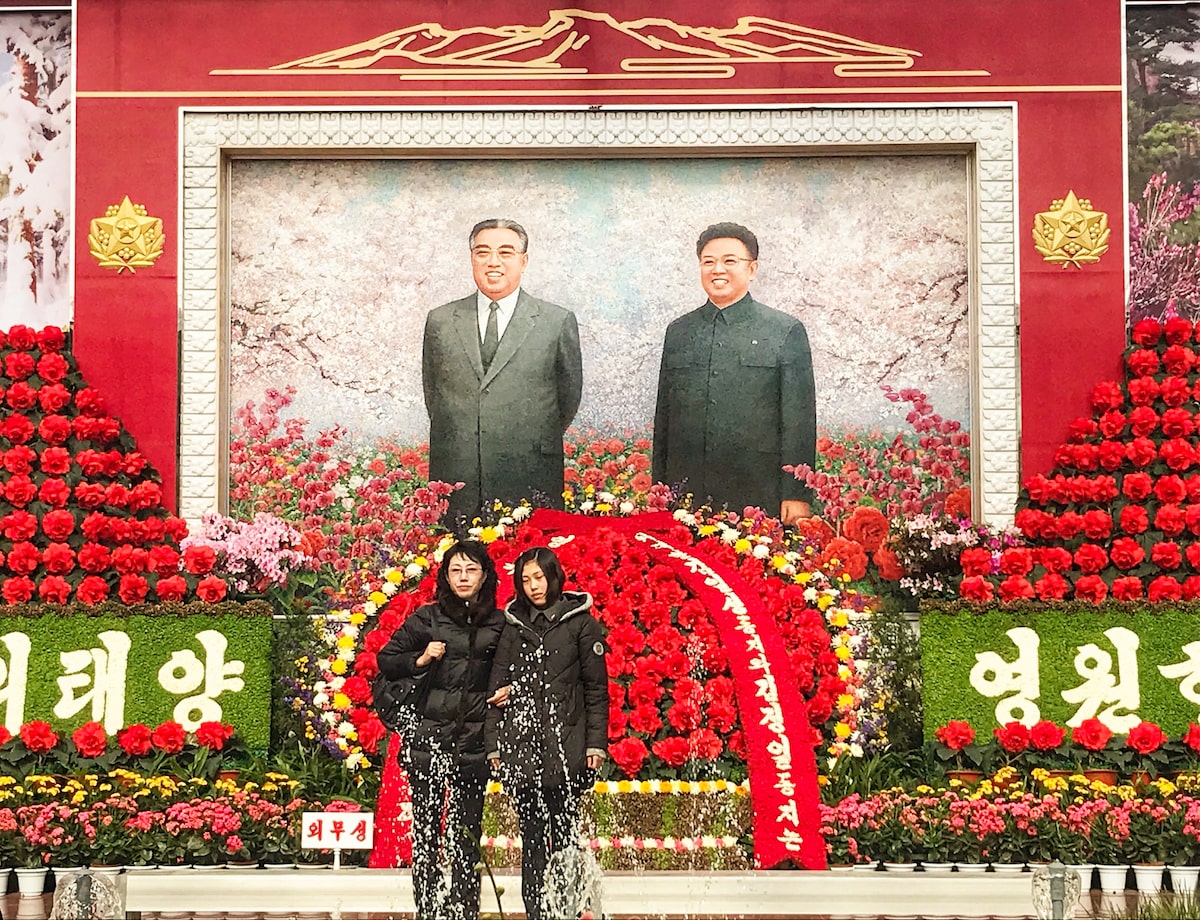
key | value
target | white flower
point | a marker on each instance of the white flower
(761, 551)
(369, 608)
(389, 588)
(339, 490)
(330, 464)
(521, 512)
(587, 505)
(627, 507)
(348, 504)
(607, 497)
(355, 482)
(346, 728)
(413, 570)
(354, 761)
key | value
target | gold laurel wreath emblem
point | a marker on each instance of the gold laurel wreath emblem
(126, 237)
(1071, 233)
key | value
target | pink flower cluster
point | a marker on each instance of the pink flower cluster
(356, 499)
(907, 474)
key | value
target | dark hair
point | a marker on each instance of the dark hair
(476, 552)
(550, 566)
(500, 223)
(728, 231)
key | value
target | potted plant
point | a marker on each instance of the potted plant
(1097, 756)
(955, 749)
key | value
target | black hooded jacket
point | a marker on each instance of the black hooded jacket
(455, 702)
(558, 708)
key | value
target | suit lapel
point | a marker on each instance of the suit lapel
(466, 322)
(523, 320)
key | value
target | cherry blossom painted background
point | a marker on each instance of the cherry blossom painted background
(335, 264)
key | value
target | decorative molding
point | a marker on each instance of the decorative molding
(985, 133)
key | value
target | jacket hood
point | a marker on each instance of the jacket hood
(577, 602)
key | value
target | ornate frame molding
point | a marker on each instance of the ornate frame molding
(209, 139)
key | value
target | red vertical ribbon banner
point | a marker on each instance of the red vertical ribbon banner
(779, 739)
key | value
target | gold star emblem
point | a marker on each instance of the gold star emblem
(126, 237)
(1071, 233)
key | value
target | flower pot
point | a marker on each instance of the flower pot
(279, 867)
(1140, 779)
(1149, 877)
(1007, 868)
(31, 882)
(1112, 878)
(971, 868)
(1183, 879)
(899, 866)
(871, 865)
(841, 867)
(4, 876)
(1108, 777)
(966, 777)
(1084, 870)
(937, 868)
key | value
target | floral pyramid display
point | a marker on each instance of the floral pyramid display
(1119, 515)
(81, 510)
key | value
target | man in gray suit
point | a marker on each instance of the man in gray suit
(736, 399)
(503, 377)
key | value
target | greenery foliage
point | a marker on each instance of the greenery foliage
(949, 645)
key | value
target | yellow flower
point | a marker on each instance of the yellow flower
(358, 618)
(378, 598)
(707, 530)
(345, 642)
(341, 701)
(839, 619)
(488, 534)
(338, 666)
(742, 545)
(842, 730)
(395, 576)
(843, 653)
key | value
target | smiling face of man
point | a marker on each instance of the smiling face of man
(497, 261)
(726, 270)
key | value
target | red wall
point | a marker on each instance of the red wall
(139, 61)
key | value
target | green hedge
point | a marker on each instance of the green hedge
(152, 639)
(952, 635)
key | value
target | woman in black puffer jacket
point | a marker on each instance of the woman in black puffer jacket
(551, 735)
(449, 645)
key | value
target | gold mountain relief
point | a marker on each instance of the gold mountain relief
(580, 44)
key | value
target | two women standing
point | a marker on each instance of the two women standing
(528, 687)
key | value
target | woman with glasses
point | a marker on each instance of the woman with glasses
(449, 645)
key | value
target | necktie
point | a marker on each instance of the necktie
(491, 338)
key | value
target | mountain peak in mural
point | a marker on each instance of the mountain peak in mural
(574, 42)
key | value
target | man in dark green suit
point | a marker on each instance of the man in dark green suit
(736, 398)
(503, 377)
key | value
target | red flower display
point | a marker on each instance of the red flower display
(90, 739)
(1145, 737)
(672, 698)
(169, 737)
(135, 740)
(213, 735)
(38, 736)
(1091, 734)
(1013, 737)
(955, 735)
(1046, 736)
(72, 484)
